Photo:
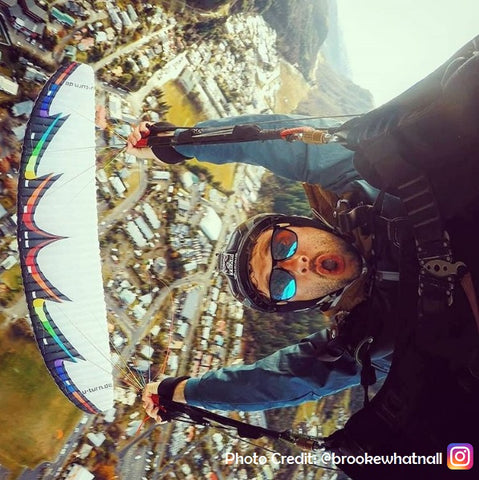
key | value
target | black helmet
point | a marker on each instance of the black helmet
(233, 262)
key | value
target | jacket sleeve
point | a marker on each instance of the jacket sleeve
(330, 165)
(288, 377)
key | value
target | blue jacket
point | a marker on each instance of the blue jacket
(330, 165)
(288, 377)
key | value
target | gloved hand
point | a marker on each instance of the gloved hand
(150, 403)
(168, 388)
(138, 133)
(154, 147)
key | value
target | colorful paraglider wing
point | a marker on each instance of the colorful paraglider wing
(58, 239)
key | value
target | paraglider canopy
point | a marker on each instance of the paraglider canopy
(58, 239)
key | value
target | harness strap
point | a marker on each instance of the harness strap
(438, 272)
(355, 223)
(368, 373)
(469, 290)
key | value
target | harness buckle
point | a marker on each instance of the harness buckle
(437, 280)
(438, 274)
(440, 268)
(359, 353)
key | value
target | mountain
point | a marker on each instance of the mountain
(334, 49)
(309, 38)
(301, 26)
(306, 28)
(334, 94)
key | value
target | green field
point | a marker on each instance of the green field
(12, 278)
(184, 114)
(34, 414)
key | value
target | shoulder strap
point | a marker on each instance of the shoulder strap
(438, 273)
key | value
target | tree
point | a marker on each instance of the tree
(21, 328)
(126, 78)
(105, 472)
(95, 54)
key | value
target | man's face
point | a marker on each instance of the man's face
(322, 263)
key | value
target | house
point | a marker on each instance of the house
(138, 311)
(84, 451)
(117, 184)
(128, 297)
(86, 44)
(8, 263)
(147, 351)
(135, 234)
(22, 108)
(61, 17)
(133, 428)
(34, 75)
(191, 305)
(78, 472)
(96, 439)
(125, 19)
(3, 212)
(76, 9)
(101, 37)
(131, 13)
(8, 85)
(114, 107)
(161, 175)
(32, 10)
(211, 224)
(70, 52)
(127, 397)
(8, 3)
(144, 228)
(22, 21)
(115, 19)
(151, 216)
(238, 330)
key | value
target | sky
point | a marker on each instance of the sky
(392, 44)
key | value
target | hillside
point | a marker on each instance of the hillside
(334, 94)
(305, 28)
(302, 27)
(334, 48)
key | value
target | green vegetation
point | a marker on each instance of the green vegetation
(265, 334)
(10, 286)
(302, 27)
(12, 278)
(281, 195)
(33, 413)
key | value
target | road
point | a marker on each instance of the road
(131, 47)
(137, 333)
(170, 71)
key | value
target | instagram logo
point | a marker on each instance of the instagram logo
(460, 456)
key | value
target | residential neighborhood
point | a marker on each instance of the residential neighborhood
(160, 227)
